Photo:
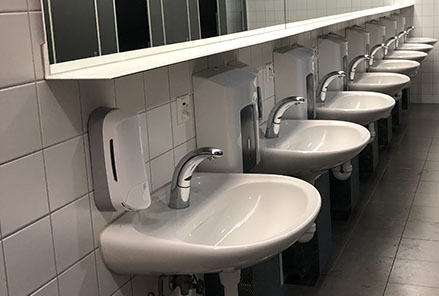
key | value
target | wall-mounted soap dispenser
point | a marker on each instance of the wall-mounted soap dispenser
(400, 27)
(295, 68)
(359, 43)
(226, 117)
(391, 30)
(333, 56)
(118, 167)
(377, 36)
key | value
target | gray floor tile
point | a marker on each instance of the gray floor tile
(426, 200)
(415, 249)
(389, 197)
(422, 230)
(409, 290)
(379, 228)
(430, 176)
(377, 210)
(424, 214)
(373, 246)
(428, 188)
(419, 273)
(433, 156)
(402, 174)
(431, 165)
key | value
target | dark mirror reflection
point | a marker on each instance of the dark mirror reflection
(87, 28)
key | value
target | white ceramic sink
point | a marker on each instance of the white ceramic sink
(355, 106)
(424, 40)
(307, 148)
(233, 221)
(406, 67)
(386, 83)
(416, 46)
(413, 55)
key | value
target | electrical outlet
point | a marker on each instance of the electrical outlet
(184, 109)
(269, 71)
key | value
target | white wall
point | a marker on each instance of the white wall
(49, 226)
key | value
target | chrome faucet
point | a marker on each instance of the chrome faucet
(181, 179)
(322, 88)
(399, 36)
(274, 119)
(390, 41)
(409, 29)
(354, 64)
(375, 50)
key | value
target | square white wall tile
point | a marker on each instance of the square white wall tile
(72, 233)
(60, 110)
(94, 94)
(19, 121)
(80, 279)
(66, 172)
(37, 34)
(3, 287)
(50, 289)
(100, 219)
(160, 130)
(29, 258)
(183, 149)
(156, 87)
(180, 80)
(24, 193)
(183, 131)
(34, 4)
(13, 5)
(161, 170)
(130, 93)
(108, 281)
(16, 49)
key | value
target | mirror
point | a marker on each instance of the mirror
(88, 28)
(299, 10)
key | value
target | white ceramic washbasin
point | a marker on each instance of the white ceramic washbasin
(416, 46)
(386, 83)
(307, 148)
(423, 40)
(413, 55)
(355, 106)
(406, 67)
(233, 221)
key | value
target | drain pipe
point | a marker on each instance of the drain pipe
(343, 172)
(372, 132)
(230, 281)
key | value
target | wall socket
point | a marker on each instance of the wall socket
(184, 109)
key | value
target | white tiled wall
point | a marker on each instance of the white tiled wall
(264, 13)
(49, 225)
(425, 17)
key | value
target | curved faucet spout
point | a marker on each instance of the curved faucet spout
(375, 50)
(275, 117)
(400, 35)
(181, 179)
(390, 41)
(409, 29)
(354, 64)
(324, 83)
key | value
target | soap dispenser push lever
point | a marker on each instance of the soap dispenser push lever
(181, 179)
(275, 117)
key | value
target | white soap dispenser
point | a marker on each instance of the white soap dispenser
(118, 166)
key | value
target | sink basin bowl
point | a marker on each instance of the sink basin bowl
(234, 221)
(423, 40)
(307, 148)
(386, 83)
(355, 106)
(416, 46)
(413, 55)
(406, 67)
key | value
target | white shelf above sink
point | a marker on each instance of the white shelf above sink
(122, 64)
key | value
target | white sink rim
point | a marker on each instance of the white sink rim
(362, 115)
(125, 259)
(406, 67)
(383, 85)
(415, 55)
(416, 46)
(424, 40)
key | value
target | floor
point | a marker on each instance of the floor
(390, 246)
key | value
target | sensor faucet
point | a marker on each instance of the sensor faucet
(399, 36)
(375, 50)
(354, 64)
(274, 119)
(390, 41)
(181, 179)
(324, 83)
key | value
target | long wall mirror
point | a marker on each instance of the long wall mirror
(87, 28)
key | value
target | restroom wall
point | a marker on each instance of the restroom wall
(425, 17)
(49, 226)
